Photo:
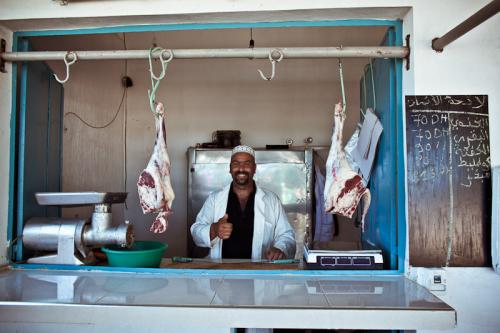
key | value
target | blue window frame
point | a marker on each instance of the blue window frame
(396, 229)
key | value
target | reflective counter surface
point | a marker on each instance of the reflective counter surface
(394, 297)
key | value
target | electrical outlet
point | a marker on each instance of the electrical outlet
(433, 279)
(437, 280)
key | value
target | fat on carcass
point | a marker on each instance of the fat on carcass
(344, 188)
(155, 191)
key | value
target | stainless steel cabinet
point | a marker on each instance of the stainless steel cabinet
(288, 173)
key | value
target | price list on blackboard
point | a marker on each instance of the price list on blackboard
(448, 158)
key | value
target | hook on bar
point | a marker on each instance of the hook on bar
(373, 87)
(68, 63)
(273, 64)
(342, 89)
(170, 55)
(155, 81)
(163, 61)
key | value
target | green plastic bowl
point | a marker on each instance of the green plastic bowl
(141, 254)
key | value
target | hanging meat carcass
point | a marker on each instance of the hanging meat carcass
(344, 188)
(155, 191)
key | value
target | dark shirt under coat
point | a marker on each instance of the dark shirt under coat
(239, 245)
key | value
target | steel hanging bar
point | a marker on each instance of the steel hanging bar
(482, 15)
(257, 53)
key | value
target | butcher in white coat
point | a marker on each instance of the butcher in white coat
(243, 220)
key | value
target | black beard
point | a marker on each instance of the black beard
(244, 182)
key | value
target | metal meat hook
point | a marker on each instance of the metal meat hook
(164, 62)
(273, 64)
(342, 89)
(68, 63)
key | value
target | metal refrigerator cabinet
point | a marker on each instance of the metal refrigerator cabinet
(288, 173)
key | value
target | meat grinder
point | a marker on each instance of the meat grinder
(73, 239)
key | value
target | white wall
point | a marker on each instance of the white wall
(470, 65)
(474, 293)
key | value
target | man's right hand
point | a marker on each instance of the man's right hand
(221, 229)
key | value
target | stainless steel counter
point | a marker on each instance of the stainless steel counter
(186, 301)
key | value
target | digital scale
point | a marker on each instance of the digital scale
(343, 259)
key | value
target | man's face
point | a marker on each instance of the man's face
(242, 168)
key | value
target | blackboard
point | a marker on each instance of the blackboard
(449, 180)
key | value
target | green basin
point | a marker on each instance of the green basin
(141, 254)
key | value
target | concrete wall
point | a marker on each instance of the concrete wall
(470, 65)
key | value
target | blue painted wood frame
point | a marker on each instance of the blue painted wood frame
(400, 158)
(175, 271)
(399, 227)
(39, 142)
(379, 94)
(24, 46)
(209, 26)
(387, 182)
(12, 159)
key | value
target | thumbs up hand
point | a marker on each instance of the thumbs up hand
(222, 228)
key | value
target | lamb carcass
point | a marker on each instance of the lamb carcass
(344, 188)
(155, 191)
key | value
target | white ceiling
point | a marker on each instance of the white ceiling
(40, 15)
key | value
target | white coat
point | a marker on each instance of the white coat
(270, 228)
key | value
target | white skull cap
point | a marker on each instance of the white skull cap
(243, 149)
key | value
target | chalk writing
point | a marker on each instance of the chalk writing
(474, 102)
(448, 133)
(449, 179)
